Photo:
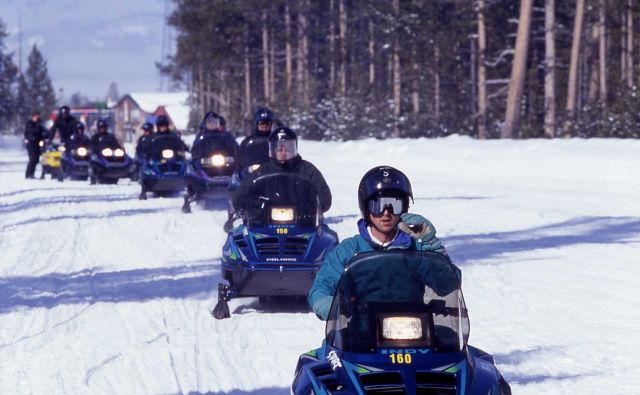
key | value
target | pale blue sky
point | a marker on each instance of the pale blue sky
(90, 43)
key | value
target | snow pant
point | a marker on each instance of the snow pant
(34, 154)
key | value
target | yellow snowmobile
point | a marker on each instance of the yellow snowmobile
(50, 159)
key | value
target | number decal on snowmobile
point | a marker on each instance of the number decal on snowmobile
(400, 358)
(282, 231)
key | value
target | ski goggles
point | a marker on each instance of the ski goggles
(377, 205)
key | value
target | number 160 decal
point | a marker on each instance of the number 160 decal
(400, 358)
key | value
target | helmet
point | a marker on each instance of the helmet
(147, 127)
(102, 124)
(283, 144)
(383, 181)
(64, 111)
(162, 120)
(211, 121)
(264, 115)
(80, 126)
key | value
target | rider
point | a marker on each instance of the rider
(212, 127)
(34, 132)
(284, 158)
(143, 141)
(383, 196)
(78, 138)
(254, 149)
(64, 124)
(102, 138)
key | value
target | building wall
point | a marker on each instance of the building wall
(129, 117)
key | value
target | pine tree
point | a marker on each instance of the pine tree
(35, 90)
(8, 72)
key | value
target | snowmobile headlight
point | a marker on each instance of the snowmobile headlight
(218, 160)
(62, 148)
(167, 154)
(402, 328)
(82, 151)
(40, 143)
(118, 153)
(282, 214)
(107, 152)
(253, 168)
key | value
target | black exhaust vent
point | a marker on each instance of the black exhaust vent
(240, 241)
(328, 378)
(430, 383)
(295, 245)
(292, 246)
(382, 383)
(268, 246)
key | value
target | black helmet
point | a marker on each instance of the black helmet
(147, 127)
(64, 111)
(383, 181)
(162, 120)
(264, 115)
(212, 120)
(80, 126)
(283, 140)
(102, 124)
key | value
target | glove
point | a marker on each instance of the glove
(422, 231)
(322, 307)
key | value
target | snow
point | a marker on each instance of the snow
(102, 293)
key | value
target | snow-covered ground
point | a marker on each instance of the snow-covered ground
(102, 293)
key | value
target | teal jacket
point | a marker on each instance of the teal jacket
(324, 286)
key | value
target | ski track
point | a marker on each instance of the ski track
(121, 289)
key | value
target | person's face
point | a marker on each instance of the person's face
(102, 130)
(264, 126)
(35, 118)
(213, 124)
(384, 223)
(162, 128)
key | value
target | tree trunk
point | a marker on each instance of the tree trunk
(343, 47)
(265, 57)
(304, 26)
(436, 85)
(415, 82)
(396, 67)
(247, 77)
(332, 46)
(550, 69)
(287, 50)
(594, 70)
(272, 67)
(573, 66)
(482, 73)
(201, 94)
(602, 22)
(516, 83)
(629, 41)
(372, 55)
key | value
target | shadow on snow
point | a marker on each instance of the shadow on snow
(48, 201)
(89, 286)
(585, 230)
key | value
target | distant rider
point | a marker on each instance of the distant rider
(254, 149)
(79, 138)
(284, 158)
(383, 196)
(144, 140)
(34, 133)
(64, 125)
(102, 138)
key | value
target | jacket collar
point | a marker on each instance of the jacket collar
(401, 241)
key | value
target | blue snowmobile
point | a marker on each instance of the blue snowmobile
(75, 162)
(213, 163)
(109, 163)
(164, 165)
(278, 249)
(398, 325)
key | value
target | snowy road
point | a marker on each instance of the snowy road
(102, 293)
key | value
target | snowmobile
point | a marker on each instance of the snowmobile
(211, 170)
(50, 159)
(164, 167)
(109, 164)
(277, 250)
(75, 163)
(398, 325)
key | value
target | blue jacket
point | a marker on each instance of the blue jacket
(324, 286)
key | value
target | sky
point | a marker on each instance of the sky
(90, 43)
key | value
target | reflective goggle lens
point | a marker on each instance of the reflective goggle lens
(377, 205)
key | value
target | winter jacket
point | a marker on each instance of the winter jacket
(296, 165)
(209, 142)
(66, 127)
(34, 132)
(79, 140)
(142, 145)
(254, 150)
(326, 281)
(100, 141)
(161, 141)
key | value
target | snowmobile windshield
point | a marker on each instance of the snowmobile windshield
(166, 146)
(213, 143)
(282, 199)
(398, 299)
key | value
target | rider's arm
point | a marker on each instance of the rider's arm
(324, 193)
(326, 281)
